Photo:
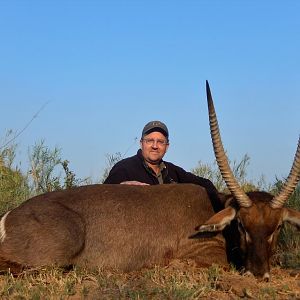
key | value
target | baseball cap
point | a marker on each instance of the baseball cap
(155, 126)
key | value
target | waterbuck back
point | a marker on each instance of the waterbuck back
(114, 226)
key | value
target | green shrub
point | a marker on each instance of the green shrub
(289, 238)
(14, 187)
(48, 172)
(239, 170)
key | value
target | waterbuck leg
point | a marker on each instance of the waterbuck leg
(41, 233)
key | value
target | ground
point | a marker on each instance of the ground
(180, 280)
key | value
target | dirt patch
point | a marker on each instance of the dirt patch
(282, 286)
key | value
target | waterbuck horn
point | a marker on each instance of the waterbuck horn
(291, 182)
(232, 184)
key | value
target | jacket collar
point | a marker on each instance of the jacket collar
(162, 165)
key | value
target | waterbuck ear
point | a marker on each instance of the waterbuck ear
(292, 216)
(217, 222)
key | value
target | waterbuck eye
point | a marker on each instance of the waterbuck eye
(241, 225)
(248, 238)
(270, 239)
(244, 232)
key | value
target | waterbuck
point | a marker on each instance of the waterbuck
(130, 227)
(258, 216)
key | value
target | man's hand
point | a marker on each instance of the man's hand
(133, 182)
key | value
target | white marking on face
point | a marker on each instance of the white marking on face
(2, 227)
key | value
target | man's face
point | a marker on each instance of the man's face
(154, 146)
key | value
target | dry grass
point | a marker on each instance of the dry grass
(181, 280)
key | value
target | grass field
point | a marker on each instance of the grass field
(180, 280)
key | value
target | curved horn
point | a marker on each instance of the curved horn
(232, 184)
(291, 182)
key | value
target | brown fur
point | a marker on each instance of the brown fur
(114, 226)
(259, 228)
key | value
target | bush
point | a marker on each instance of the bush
(48, 173)
(289, 239)
(14, 187)
(239, 170)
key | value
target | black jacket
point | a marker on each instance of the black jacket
(134, 168)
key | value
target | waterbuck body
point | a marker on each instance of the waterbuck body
(114, 226)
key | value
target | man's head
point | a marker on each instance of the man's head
(158, 126)
(154, 141)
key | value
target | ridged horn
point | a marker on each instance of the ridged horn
(290, 183)
(232, 184)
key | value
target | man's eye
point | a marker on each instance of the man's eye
(158, 142)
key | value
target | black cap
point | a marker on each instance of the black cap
(155, 126)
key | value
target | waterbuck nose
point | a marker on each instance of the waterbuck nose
(266, 277)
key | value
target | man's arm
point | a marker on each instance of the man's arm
(188, 177)
(134, 182)
(116, 175)
(119, 175)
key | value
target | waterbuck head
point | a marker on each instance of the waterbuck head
(258, 215)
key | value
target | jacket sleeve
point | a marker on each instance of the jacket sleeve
(117, 174)
(188, 177)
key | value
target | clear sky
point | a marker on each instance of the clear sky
(105, 68)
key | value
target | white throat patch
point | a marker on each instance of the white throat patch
(2, 227)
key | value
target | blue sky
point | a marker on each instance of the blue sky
(105, 68)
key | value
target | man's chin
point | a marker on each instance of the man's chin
(154, 161)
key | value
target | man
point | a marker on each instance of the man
(148, 168)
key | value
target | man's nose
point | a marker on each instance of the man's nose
(154, 145)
